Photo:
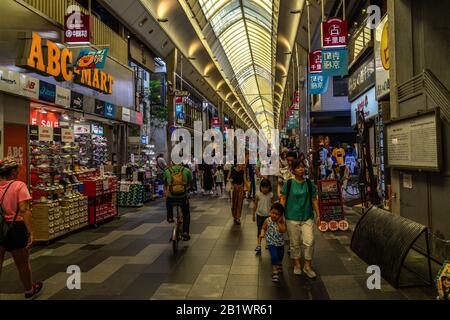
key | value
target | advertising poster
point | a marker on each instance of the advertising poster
(382, 63)
(62, 97)
(16, 146)
(335, 62)
(47, 92)
(9, 80)
(91, 59)
(76, 101)
(317, 83)
(45, 134)
(29, 86)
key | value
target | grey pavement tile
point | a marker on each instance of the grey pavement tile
(236, 269)
(172, 291)
(145, 285)
(240, 292)
(242, 279)
(209, 286)
(222, 260)
(215, 269)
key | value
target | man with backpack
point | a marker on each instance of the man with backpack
(177, 179)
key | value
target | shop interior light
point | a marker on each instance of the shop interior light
(43, 111)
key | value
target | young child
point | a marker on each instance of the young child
(273, 230)
(219, 176)
(263, 203)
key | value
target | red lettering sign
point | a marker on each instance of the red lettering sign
(335, 33)
(76, 27)
(333, 225)
(315, 62)
(49, 119)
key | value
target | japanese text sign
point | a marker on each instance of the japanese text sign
(76, 26)
(335, 62)
(334, 33)
(317, 83)
(315, 62)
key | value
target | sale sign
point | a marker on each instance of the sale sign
(44, 118)
(334, 33)
(315, 61)
(76, 26)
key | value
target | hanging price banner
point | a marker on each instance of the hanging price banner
(124, 187)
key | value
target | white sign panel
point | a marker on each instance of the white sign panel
(382, 64)
(45, 134)
(366, 102)
(126, 114)
(407, 181)
(67, 135)
(82, 128)
(9, 81)
(414, 143)
(62, 97)
(29, 86)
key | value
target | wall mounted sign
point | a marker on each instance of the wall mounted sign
(335, 33)
(99, 107)
(366, 102)
(67, 135)
(76, 101)
(317, 83)
(91, 59)
(315, 61)
(76, 26)
(362, 79)
(110, 110)
(16, 146)
(82, 128)
(56, 61)
(29, 86)
(381, 48)
(47, 92)
(9, 80)
(62, 97)
(179, 114)
(126, 114)
(415, 143)
(335, 62)
(43, 118)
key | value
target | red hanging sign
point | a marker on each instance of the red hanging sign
(315, 61)
(76, 26)
(335, 33)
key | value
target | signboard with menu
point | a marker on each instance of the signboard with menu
(331, 206)
(415, 142)
(381, 48)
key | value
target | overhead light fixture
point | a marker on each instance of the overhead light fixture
(163, 20)
(296, 11)
(43, 111)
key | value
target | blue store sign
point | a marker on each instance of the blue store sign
(47, 92)
(110, 110)
(317, 83)
(335, 62)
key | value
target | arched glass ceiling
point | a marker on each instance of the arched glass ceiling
(244, 30)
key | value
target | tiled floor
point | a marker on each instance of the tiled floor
(131, 258)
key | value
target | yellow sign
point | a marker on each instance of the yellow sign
(58, 63)
(384, 47)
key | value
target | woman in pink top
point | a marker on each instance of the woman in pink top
(16, 213)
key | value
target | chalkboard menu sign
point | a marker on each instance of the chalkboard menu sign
(415, 142)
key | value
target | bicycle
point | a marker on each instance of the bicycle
(177, 233)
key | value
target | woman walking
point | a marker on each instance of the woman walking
(208, 183)
(238, 178)
(16, 219)
(299, 197)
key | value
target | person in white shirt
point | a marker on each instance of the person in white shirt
(263, 203)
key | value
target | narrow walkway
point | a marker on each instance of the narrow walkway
(131, 258)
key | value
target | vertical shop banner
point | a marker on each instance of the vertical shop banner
(382, 63)
(47, 92)
(179, 111)
(315, 61)
(62, 97)
(139, 119)
(9, 80)
(110, 110)
(317, 83)
(29, 86)
(15, 146)
(67, 135)
(99, 107)
(126, 114)
(335, 62)
(76, 26)
(133, 116)
(334, 33)
(76, 101)
(91, 59)
(45, 134)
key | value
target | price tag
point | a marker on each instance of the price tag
(124, 187)
(124, 170)
(102, 171)
(105, 184)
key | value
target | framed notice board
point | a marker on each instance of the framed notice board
(415, 142)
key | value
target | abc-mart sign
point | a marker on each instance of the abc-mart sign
(46, 58)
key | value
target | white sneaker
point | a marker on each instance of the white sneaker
(297, 271)
(310, 273)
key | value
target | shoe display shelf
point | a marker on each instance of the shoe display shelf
(131, 194)
(93, 150)
(102, 198)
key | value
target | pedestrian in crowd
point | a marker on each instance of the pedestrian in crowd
(16, 232)
(219, 177)
(283, 157)
(303, 158)
(321, 157)
(263, 203)
(177, 178)
(328, 167)
(285, 172)
(335, 173)
(339, 154)
(300, 202)
(273, 229)
(350, 160)
(208, 182)
(161, 165)
(238, 177)
(252, 180)
(199, 169)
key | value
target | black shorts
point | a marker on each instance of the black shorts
(17, 237)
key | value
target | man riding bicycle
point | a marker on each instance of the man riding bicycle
(177, 179)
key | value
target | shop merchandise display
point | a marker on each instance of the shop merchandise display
(131, 194)
(93, 150)
(102, 193)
